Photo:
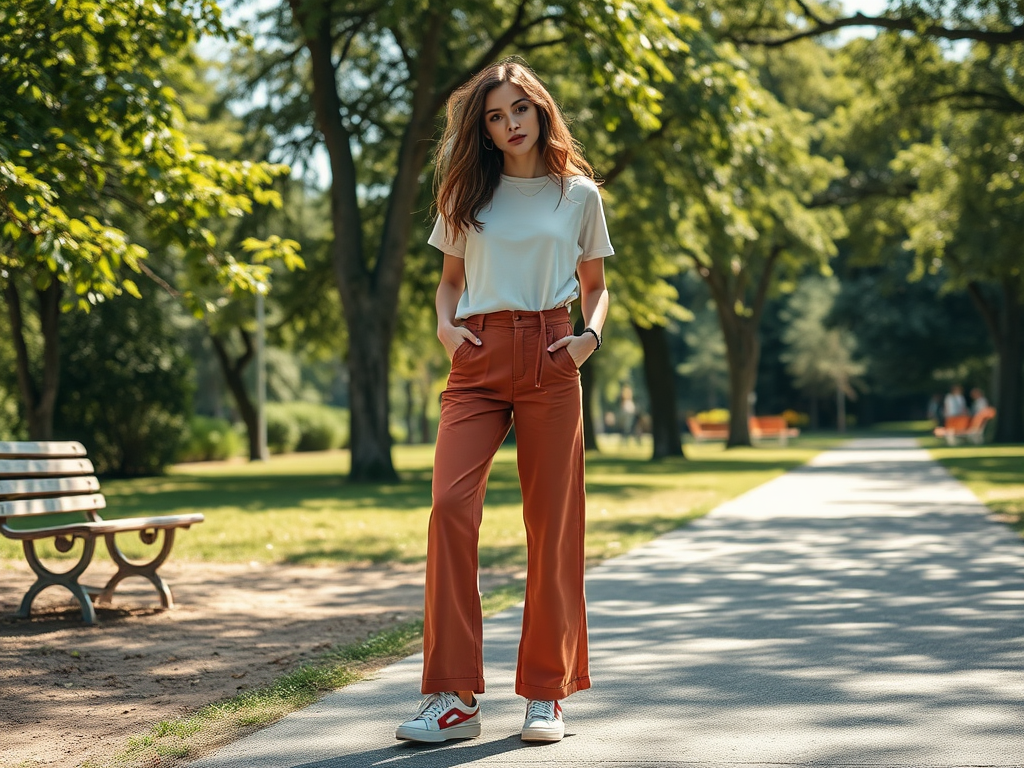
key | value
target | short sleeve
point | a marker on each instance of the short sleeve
(441, 240)
(594, 240)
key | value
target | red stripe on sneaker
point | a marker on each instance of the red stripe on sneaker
(453, 717)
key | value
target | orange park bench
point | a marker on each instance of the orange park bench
(767, 427)
(47, 490)
(706, 430)
(969, 427)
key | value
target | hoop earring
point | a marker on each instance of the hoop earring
(484, 141)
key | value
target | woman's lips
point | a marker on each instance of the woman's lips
(517, 139)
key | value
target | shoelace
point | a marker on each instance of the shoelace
(435, 705)
(540, 710)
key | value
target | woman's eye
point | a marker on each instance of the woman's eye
(521, 108)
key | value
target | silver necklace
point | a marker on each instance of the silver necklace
(540, 189)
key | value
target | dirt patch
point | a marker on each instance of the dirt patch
(73, 693)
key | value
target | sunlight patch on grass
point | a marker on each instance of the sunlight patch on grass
(995, 473)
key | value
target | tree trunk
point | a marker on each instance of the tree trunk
(1006, 327)
(742, 351)
(234, 376)
(840, 409)
(739, 329)
(39, 399)
(587, 384)
(424, 390)
(369, 288)
(410, 413)
(661, 388)
(369, 384)
(1010, 382)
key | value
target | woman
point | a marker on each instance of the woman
(523, 234)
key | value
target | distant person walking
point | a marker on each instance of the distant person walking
(522, 229)
(978, 401)
(935, 409)
(954, 404)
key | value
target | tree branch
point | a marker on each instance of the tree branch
(844, 192)
(497, 46)
(821, 27)
(764, 282)
(543, 44)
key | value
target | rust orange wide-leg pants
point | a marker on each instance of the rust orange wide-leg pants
(511, 375)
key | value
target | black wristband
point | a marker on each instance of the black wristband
(588, 329)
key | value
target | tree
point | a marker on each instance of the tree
(966, 221)
(92, 155)
(748, 220)
(821, 359)
(375, 77)
(782, 22)
(944, 133)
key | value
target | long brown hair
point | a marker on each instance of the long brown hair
(468, 172)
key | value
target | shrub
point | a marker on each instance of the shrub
(125, 388)
(283, 432)
(10, 426)
(796, 419)
(321, 427)
(210, 439)
(715, 416)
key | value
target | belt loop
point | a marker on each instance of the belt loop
(482, 318)
(542, 348)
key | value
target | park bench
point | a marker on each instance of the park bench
(706, 430)
(969, 427)
(47, 490)
(761, 427)
(767, 427)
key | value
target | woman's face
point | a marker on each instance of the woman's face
(511, 120)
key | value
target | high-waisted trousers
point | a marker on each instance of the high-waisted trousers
(511, 375)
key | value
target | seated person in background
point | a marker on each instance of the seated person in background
(978, 401)
(954, 404)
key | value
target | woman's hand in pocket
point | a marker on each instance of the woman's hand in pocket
(578, 347)
(454, 336)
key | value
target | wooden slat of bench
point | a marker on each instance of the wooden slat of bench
(53, 450)
(27, 507)
(101, 527)
(63, 486)
(44, 467)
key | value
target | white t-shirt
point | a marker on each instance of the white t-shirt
(532, 240)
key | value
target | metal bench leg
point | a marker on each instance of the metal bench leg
(69, 579)
(126, 568)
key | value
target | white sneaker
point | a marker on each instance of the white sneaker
(442, 716)
(543, 721)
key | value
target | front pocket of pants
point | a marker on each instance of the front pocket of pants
(460, 350)
(563, 352)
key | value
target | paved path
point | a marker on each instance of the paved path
(861, 611)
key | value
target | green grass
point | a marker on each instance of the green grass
(186, 737)
(299, 509)
(994, 472)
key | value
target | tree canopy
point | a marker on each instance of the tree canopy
(91, 143)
